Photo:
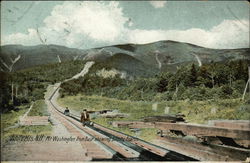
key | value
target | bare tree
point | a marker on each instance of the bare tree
(247, 84)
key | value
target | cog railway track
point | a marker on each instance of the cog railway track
(108, 144)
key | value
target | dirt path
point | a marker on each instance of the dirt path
(49, 150)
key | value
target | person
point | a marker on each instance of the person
(66, 111)
(85, 117)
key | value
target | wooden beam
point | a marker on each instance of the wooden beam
(191, 129)
(233, 124)
(204, 130)
(203, 152)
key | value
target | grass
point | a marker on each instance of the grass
(11, 118)
(195, 111)
(146, 134)
(136, 110)
(28, 131)
(203, 111)
(39, 109)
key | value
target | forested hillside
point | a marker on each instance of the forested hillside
(210, 81)
(30, 84)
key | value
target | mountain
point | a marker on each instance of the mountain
(129, 64)
(17, 57)
(171, 53)
(161, 55)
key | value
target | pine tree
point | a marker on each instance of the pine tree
(193, 75)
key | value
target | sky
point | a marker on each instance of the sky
(90, 24)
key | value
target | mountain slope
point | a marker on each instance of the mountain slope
(16, 57)
(127, 63)
(171, 52)
(163, 55)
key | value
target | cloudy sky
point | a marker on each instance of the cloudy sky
(87, 24)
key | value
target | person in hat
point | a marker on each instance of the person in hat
(85, 117)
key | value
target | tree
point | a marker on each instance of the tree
(5, 92)
(193, 75)
(212, 74)
(203, 77)
(227, 90)
(163, 82)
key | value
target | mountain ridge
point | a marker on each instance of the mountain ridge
(160, 54)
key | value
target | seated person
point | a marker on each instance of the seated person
(66, 111)
(85, 117)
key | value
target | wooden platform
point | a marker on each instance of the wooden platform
(190, 129)
(216, 141)
(34, 120)
(203, 152)
(233, 124)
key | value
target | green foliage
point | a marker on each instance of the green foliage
(39, 109)
(163, 81)
(10, 118)
(90, 83)
(5, 92)
(30, 84)
(195, 111)
(210, 81)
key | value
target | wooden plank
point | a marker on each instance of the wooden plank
(203, 152)
(191, 129)
(234, 124)
(204, 130)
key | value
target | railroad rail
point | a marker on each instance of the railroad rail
(113, 145)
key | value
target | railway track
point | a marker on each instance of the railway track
(108, 144)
